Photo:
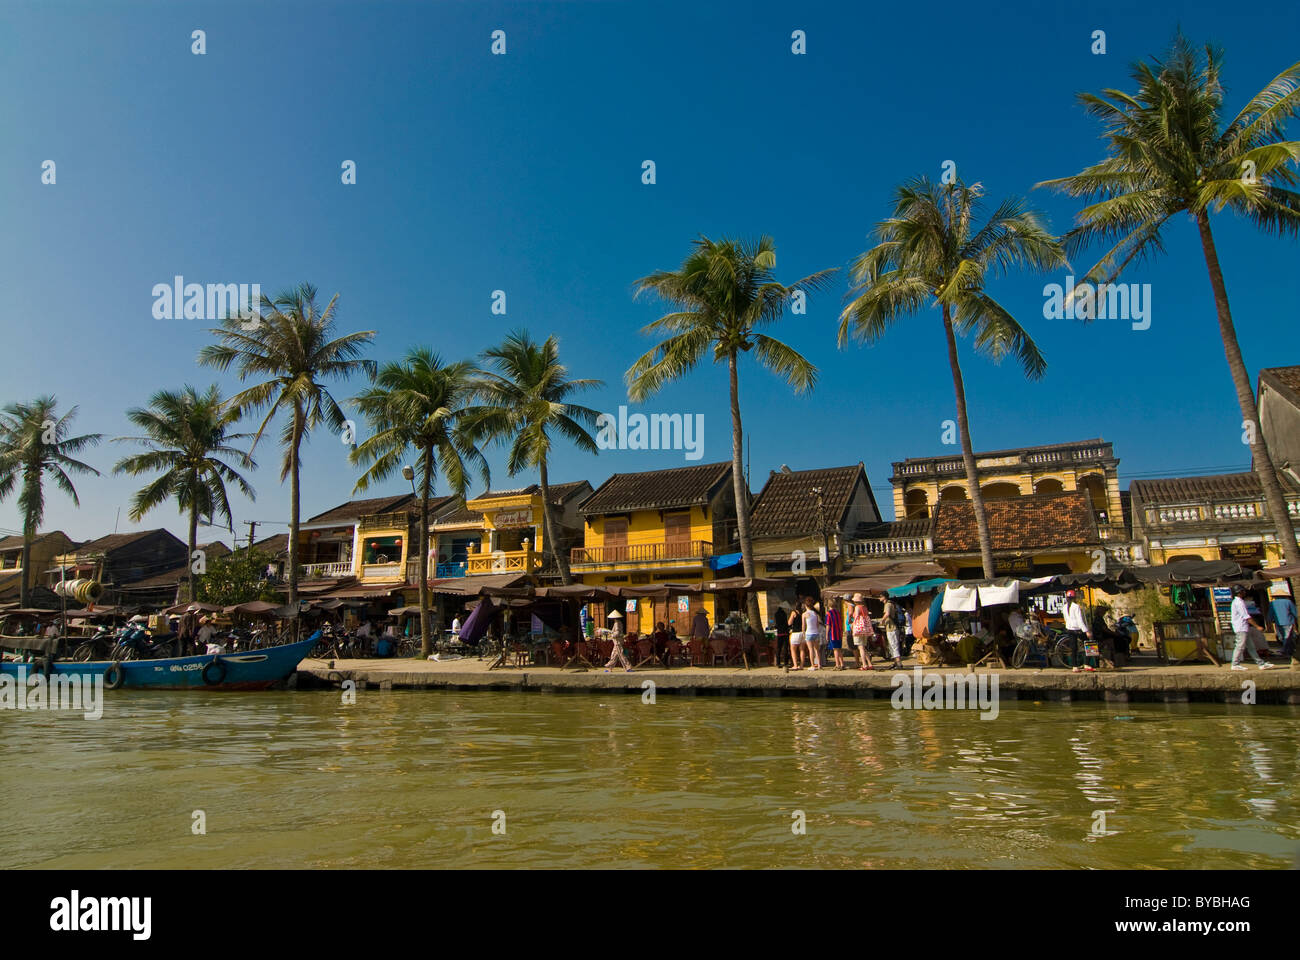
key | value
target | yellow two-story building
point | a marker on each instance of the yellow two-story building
(674, 526)
(514, 528)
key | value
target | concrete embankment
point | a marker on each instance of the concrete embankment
(1181, 684)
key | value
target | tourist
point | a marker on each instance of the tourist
(892, 638)
(1075, 626)
(812, 634)
(863, 632)
(835, 634)
(1281, 610)
(796, 635)
(1245, 630)
(781, 624)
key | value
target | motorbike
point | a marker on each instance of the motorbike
(137, 643)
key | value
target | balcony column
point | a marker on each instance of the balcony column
(356, 550)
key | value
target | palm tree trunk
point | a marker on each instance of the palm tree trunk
(24, 585)
(552, 544)
(967, 454)
(294, 441)
(426, 621)
(1263, 463)
(741, 489)
(189, 562)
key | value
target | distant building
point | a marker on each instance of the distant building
(45, 547)
(163, 589)
(1279, 417)
(1221, 517)
(120, 560)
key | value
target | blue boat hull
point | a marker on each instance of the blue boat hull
(251, 670)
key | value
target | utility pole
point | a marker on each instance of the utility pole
(826, 539)
(252, 532)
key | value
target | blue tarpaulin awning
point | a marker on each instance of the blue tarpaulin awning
(921, 586)
(724, 560)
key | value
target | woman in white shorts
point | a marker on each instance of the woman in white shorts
(812, 635)
(796, 635)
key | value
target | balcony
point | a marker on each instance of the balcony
(889, 547)
(1236, 511)
(502, 561)
(381, 571)
(437, 571)
(1063, 456)
(326, 571)
(643, 552)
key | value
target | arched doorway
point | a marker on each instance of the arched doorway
(952, 494)
(1000, 491)
(1049, 485)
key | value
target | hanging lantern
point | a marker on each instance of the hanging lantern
(374, 544)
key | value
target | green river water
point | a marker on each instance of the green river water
(406, 779)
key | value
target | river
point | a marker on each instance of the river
(500, 779)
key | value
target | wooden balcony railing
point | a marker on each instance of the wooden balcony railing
(643, 552)
(502, 561)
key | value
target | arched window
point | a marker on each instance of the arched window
(1095, 486)
(1000, 491)
(916, 503)
(952, 494)
(1049, 485)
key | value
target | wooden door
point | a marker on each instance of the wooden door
(616, 540)
(677, 535)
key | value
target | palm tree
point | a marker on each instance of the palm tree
(526, 398)
(1169, 152)
(419, 403)
(933, 252)
(290, 341)
(34, 441)
(724, 292)
(187, 434)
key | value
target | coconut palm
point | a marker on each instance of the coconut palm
(934, 252)
(526, 398)
(724, 293)
(1169, 151)
(290, 342)
(418, 404)
(34, 441)
(187, 435)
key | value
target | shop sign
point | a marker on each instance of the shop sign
(514, 517)
(1242, 552)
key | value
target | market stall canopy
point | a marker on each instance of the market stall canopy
(1197, 573)
(920, 586)
(658, 591)
(105, 612)
(475, 586)
(1119, 580)
(742, 583)
(260, 608)
(363, 593)
(1280, 573)
(907, 570)
(581, 591)
(200, 607)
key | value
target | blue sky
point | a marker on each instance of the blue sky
(523, 173)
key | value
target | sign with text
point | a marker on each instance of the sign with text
(514, 517)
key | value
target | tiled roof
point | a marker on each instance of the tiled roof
(1040, 522)
(116, 541)
(892, 529)
(657, 489)
(559, 491)
(276, 543)
(786, 506)
(16, 542)
(457, 514)
(1285, 379)
(1222, 486)
(349, 512)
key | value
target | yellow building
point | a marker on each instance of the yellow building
(45, 548)
(515, 527)
(1088, 465)
(1222, 517)
(656, 527)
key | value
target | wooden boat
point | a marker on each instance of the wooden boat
(249, 670)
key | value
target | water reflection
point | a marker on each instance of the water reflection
(412, 780)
